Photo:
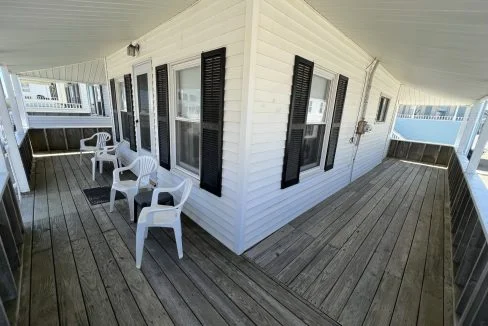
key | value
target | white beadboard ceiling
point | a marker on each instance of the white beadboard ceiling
(38, 34)
(435, 45)
(92, 71)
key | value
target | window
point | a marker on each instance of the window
(122, 104)
(187, 116)
(316, 122)
(382, 109)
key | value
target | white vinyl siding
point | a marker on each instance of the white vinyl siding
(289, 28)
(208, 25)
(285, 28)
(373, 144)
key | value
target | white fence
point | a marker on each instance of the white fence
(53, 106)
(430, 117)
(397, 136)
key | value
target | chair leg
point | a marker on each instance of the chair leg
(112, 199)
(179, 242)
(94, 164)
(100, 164)
(141, 229)
(80, 156)
(130, 199)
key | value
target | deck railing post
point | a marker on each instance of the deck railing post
(20, 101)
(12, 99)
(13, 151)
(468, 131)
(478, 150)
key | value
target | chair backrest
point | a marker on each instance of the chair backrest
(186, 185)
(102, 139)
(146, 165)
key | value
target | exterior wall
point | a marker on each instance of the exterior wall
(289, 28)
(207, 25)
(374, 144)
(262, 38)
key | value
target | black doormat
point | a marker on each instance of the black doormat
(101, 195)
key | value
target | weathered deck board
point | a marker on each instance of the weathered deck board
(83, 268)
(379, 254)
(43, 299)
(359, 302)
(70, 300)
(357, 243)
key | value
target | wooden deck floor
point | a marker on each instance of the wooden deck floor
(376, 253)
(79, 268)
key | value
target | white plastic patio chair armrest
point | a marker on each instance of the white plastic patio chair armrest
(108, 149)
(82, 141)
(116, 173)
(150, 211)
(140, 178)
(157, 191)
(160, 208)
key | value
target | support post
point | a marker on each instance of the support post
(454, 117)
(474, 161)
(471, 123)
(11, 96)
(20, 101)
(462, 128)
(12, 147)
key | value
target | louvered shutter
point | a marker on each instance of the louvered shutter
(212, 120)
(130, 112)
(297, 118)
(336, 122)
(101, 99)
(163, 116)
(115, 111)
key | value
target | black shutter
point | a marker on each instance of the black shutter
(101, 100)
(297, 118)
(212, 120)
(163, 116)
(115, 110)
(130, 112)
(336, 122)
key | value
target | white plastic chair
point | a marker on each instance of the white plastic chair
(107, 154)
(146, 166)
(102, 139)
(162, 216)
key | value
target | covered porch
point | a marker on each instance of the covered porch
(79, 268)
(378, 252)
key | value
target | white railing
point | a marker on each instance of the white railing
(53, 106)
(430, 117)
(397, 136)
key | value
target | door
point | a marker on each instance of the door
(144, 108)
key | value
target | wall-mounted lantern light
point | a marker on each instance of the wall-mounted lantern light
(132, 50)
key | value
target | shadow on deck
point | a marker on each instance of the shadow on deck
(79, 267)
(378, 252)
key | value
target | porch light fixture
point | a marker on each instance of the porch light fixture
(132, 50)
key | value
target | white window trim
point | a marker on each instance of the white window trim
(152, 111)
(118, 97)
(322, 72)
(387, 108)
(173, 68)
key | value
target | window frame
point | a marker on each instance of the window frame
(333, 78)
(379, 109)
(120, 108)
(173, 68)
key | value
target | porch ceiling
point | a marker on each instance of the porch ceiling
(438, 45)
(38, 34)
